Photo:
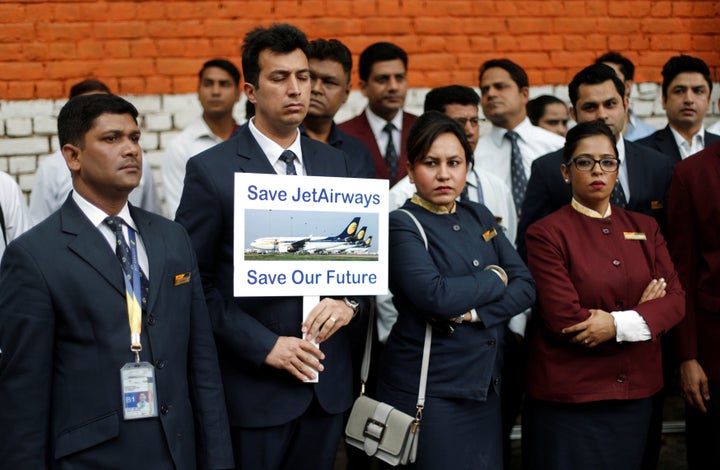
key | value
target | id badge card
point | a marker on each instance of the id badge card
(138, 390)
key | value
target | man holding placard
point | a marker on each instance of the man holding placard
(266, 356)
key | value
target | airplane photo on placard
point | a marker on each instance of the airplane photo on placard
(309, 236)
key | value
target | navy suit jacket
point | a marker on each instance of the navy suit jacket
(359, 127)
(649, 174)
(247, 328)
(664, 142)
(64, 335)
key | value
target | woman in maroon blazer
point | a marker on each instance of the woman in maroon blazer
(607, 291)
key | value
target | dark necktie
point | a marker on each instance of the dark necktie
(125, 254)
(391, 156)
(288, 156)
(517, 171)
(617, 197)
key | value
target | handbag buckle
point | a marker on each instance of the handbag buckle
(374, 430)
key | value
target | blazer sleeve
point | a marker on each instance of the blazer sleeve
(201, 213)
(437, 295)
(26, 366)
(684, 248)
(664, 313)
(214, 446)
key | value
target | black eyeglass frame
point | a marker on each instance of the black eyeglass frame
(595, 162)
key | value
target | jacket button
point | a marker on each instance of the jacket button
(456, 228)
(476, 263)
(606, 231)
(620, 379)
(491, 342)
(616, 262)
(151, 320)
(619, 303)
(160, 363)
(164, 409)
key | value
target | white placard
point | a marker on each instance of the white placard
(310, 235)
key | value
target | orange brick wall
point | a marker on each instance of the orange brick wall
(156, 47)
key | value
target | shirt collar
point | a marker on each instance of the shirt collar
(589, 212)
(97, 216)
(271, 149)
(497, 134)
(699, 137)
(377, 124)
(429, 206)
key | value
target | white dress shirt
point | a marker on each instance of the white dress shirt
(273, 151)
(195, 138)
(697, 142)
(15, 211)
(377, 124)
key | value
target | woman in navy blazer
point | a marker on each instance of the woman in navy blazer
(468, 283)
(607, 292)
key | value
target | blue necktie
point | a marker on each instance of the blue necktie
(617, 197)
(124, 252)
(288, 156)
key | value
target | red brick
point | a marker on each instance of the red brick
(158, 85)
(588, 42)
(21, 71)
(629, 9)
(126, 11)
(365, 9)
(639, 43)
(596, 9)
(89, 49)
(652, 59)
(176, 29)
(22, 90)
(662, 9)
(477, 26)
(153, 11)
(176, 66)
(625, 26)
(70, 12)
(40, 12)
(520, 26)
(572, 60)
(551, 42)
(433, 62)
(618, 42)
(61, 50)
(13, 51)
(50, 89)
(59, 70)
(676, 42)
(575, 25)
(477, 43)
(36, 51)
(338, 28)
(395, 26)
(184, 84)
(555, 76)
(19, 32)
(12, 14)
(120, 29)
(682, 9)
(121, 68)
(131, 86)
(485, 9)
(338, 8)
(67, 31)
(142, 48)
(661, 25)
(225, 47)
(705, 43)
(703, 25)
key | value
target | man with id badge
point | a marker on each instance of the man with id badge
(108, 355)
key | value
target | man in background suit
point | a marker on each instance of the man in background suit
(64, 314)
(686, 89)
(330, 65)
(597, 93)
(383, 126)
(694, 242)
(277, 419)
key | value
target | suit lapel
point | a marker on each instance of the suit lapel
(636, 175)
(711, 138)
(155, 249)
(90, 245)
(666, 144)
(251, 158)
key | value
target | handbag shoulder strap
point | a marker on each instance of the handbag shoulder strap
(426, 347)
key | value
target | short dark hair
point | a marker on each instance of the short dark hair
(88, 86)
(427, 128)
(684, 63)
(584, 130)
(280, 38)
(536, 107)
(223, 64)
(379, 52)
(626, 66)
(594, 75)
(517, 73)
(78, 115)
(437, 99)
(334, 50)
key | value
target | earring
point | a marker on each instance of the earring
(567, 180)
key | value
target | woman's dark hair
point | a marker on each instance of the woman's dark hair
(427, 128)
(584, 130)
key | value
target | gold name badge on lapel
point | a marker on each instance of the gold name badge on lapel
(656, 205)
(634, 236)
(180, 279)
(489, 234)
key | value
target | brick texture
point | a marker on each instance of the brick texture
(150, 47)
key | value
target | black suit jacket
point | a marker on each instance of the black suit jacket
(247, 328)
(664, 142)
(649, 174)
(64, 334)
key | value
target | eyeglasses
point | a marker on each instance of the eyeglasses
(586, 164)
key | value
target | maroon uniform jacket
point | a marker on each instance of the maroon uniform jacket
(694, 240)
(359, 127)
(581, 263)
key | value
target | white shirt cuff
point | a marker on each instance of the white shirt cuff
(630, 326)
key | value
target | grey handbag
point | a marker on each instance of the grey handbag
(377, 428)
